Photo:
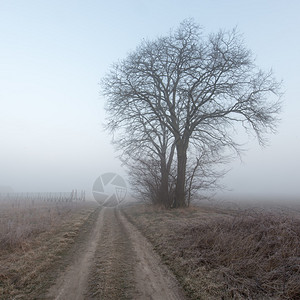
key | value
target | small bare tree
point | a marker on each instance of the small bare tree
(203, 173)
(197, 87)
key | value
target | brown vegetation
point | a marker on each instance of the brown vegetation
(226, 254)
(33, 239)
(19, 223)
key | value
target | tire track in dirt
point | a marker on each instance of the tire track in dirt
(153, 280)
(116, 262)
(72, 283)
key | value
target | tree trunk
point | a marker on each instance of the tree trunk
(164, 188)
(181, 173)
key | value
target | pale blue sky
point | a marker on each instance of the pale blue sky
(54, 53)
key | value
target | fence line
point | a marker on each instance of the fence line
(73, 196)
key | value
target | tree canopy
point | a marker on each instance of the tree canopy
(176, 99)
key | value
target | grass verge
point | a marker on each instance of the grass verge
(29, 267)
(225, 254)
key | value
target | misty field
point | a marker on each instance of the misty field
(214, 251)
(34, 236)
(226, 253)
(21, 222)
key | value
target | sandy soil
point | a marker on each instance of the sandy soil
(116, 262)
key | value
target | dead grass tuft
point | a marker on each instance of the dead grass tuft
(241, 255)
(252, 255)
(33, 241)
(19, 224)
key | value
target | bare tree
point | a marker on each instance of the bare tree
(203, 172)
(195, 86)
(146, 180)
(147, 150)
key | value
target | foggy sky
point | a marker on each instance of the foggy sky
(53, 55)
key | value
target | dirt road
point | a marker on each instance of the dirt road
(116, 262)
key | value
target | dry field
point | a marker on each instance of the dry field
(34, 238)
(78, 251)
(82, 251)
(220, 253)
